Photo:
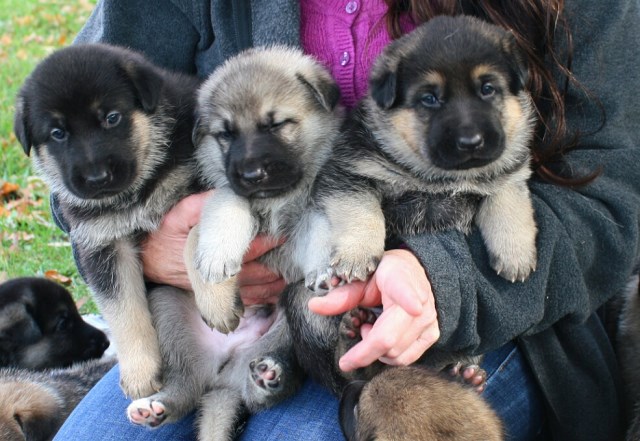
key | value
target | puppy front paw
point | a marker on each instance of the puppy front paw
(354, 263)
(514, 261)
(215, 264)
(147, 412)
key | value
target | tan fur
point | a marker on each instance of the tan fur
(29, 402)
(404, 404)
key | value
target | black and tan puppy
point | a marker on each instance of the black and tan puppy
(110, 133)
(33, 405)
(440, 142)
(40, 326)
(267, 119)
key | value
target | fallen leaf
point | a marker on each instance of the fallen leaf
(56, 276)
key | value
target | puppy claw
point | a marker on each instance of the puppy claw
(147, 412)
(348, 269)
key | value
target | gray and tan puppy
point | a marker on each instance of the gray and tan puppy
(110, 133)
(414, 403)
(440, 142)
(267, 122)
(223, 376)
(267, 119)
(33, 405)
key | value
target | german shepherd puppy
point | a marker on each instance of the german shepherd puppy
(261, 144)
(40, 326)
(266, 123)
(417, 404)
(33, 405)
(111, 135)
(441, 141)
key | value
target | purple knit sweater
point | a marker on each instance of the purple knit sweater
(346, 36)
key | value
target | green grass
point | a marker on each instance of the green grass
(31, 243)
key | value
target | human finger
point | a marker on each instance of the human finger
(382, 336)
(261, 245)
(262, 294)
(339, 300)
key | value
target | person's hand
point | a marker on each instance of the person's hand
(163, 255)
(408, 325)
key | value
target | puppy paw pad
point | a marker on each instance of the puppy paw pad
(266, 373)
(146, 412)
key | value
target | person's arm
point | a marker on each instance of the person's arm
(588, 239)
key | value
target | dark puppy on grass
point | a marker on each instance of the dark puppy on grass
(40, 326)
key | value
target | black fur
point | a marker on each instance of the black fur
(41, 327)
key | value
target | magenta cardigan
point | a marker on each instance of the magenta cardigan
(346, 36)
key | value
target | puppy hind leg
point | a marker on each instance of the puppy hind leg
(221, 411)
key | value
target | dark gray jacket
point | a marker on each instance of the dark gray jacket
(588, 238)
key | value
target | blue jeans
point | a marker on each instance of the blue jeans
(311, 414)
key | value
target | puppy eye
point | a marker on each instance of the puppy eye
(225, 136)
(112, 119)
(487, 90)
(430, 100)
(58, 134)
(275, 126)
(63, 324)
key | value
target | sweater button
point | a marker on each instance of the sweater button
(344, 59)
(351, 7)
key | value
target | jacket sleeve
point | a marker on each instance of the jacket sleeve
(588, 238)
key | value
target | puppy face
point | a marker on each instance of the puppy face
(450, 99)
(264, 116)
(40, 326)
(85, 111)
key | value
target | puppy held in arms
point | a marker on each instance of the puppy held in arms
(110, 133)
(441, 142)
(266, 123)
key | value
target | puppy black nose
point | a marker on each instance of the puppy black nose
(98, 177)
(470, 142)
(252, 173)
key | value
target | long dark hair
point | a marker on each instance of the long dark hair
(536, 25)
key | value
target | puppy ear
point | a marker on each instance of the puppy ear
(349, 408)
(383, 82)
(21, 126)
(325, 90)
(516, 60)
(147, 82)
